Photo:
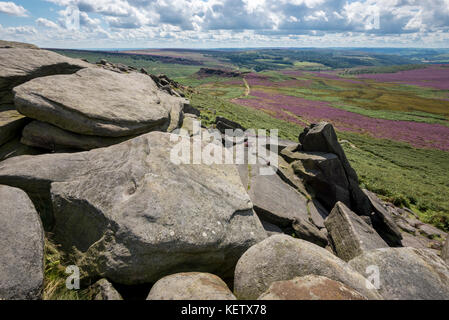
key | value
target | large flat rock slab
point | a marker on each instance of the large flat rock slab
(98, 102)
(46, 136)
(350, 235)
(22, 247)
(19, 65)
(127, 213)
(407, 273)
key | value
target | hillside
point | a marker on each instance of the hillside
(143, 185)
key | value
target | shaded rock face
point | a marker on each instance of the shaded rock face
(407, 273)
(98, 102)
(11, 123)
(310, 287)
(14, 148)
(307, 231)
(154, 218)
(46, 136)
(190, 286)
(104, 290)
(322, 138)
(19, 65)
(383, 221)
(274, 201)
(281, 257)
(350, 235)
(22, 247)
(324, 173)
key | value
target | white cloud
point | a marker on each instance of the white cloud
(42, 22)
(12, 9)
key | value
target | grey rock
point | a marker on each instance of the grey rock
(431, 231)
(11, 124)
(281, 257)
(270, 228)
(13, 44)
(317, 213)
(46, 136)
(22, 247)
(190, 286)
(322, 138)
(445, 251)
(19, 65)
(350, 235)
(274, 201)
(407, 273)
(383, 221)
(307, 231)
(324, 173)
(98, 102)
(14, 148)
(127, 213)
(104, 290)
(310, 287)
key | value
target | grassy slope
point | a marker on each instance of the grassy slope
(416, 178)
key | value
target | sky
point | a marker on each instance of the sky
(226, 23)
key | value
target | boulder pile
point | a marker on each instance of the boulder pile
(85, 154)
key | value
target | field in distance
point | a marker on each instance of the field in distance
(389, 106)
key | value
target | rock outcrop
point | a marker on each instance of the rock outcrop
(19, 65)
(190, 286)
(98, 102)
(11, 123)
(407, 273)
(350, 235)
(310, 287)
(281, 257)
(22, 247)
(127, 213)
(445, 252)
(104, 290)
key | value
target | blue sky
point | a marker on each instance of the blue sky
(226, 23)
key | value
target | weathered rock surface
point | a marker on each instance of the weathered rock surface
(322, 138)
(350, 235)
(324, 173)
(307, 231)
(19, 65)
(99, 102)
(127, 213)
(104, 290)
(317, 213)
(407, 273)
(383, 221)
(274, 201)
(46, 136)
(13, 44)
(445, 251)
(11, 123)
(282, 257)
(14, 148)
(310, 287)
(22, 247)
(190, 286)
(270, 228)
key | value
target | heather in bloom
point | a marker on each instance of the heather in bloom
(435, 76)
(301, 110)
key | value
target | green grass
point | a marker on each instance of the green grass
(55, 277)
(406, 176)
